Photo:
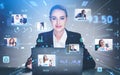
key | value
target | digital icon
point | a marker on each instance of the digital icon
(41, 39)
(6, 59)
(99, 69)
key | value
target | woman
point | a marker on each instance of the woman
(45, 61)
(102, 46)
(12, 42)
(60, 37)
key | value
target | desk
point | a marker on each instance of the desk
(22, 71)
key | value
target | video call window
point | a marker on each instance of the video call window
(19, 19)
(10, 42)
(103, 44)
(40, 26)
(82, 14)
(73, 47)
(46, 60)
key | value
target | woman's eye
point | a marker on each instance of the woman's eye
(53, 18)
(62, 18)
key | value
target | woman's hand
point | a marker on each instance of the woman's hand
(28, 64)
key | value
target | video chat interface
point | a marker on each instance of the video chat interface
(21, 24)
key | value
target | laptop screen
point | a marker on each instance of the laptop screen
(57, 61)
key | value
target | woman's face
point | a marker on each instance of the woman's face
(102, 43)
(11, 41)
(45, 57)
(58, 20)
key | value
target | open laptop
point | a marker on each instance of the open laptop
(57, 61)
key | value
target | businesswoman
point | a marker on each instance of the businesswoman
(59, 37)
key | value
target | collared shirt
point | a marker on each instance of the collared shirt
(61, 42)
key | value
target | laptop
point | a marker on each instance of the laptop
(56, 61)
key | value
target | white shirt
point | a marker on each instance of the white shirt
(16, 21)
(102, 49)
(61, 42)
(46, 63)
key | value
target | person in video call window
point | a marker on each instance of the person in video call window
(16, 19)
(72, 48)
(60, 37)
(82, 15)
(45, 61)
(12, 42)
(102, 46)
(23, 20)
(50, 62)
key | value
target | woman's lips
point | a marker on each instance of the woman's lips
(58, 26)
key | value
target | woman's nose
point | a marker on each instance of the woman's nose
(58, 21)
